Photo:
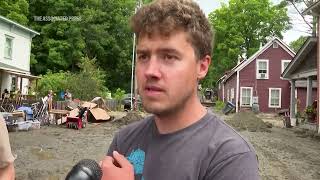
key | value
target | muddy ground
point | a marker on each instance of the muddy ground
(50, 152)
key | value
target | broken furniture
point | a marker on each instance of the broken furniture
(57, 113)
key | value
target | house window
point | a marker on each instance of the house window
(232, 94)
(275, 45)
(274, 97)
(246, 96)
(262, 69)
(13, 83)
(8, 47)
(284, 65)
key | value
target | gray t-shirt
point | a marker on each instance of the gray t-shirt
(207, 150)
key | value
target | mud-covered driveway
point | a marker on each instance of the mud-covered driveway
(284, 155)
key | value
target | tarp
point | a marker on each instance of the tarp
(26, 109)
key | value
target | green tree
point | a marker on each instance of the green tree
(241, 26)
(102, 33)
(85, 85)
(89, 82)
(51, 81)
(15, 10)
(296, 45)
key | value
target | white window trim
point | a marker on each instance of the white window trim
(250, 97)
(257, 68)
(270, 106)
(282, 64)
(231, 94)
(228, 95)
(12, 38)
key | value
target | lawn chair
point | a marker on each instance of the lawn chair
(41, 112)
(7, 105)
(285, 114)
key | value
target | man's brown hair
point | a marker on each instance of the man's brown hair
(167, 16)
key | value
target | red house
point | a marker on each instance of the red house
(258, 79)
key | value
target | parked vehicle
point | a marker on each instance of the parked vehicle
(126, 101)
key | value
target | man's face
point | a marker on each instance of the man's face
(167, 72)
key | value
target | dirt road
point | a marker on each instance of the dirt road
(284, 155)
(50, 152)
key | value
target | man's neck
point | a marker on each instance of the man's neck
(190, 114)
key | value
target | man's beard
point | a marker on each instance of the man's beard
(171, 108)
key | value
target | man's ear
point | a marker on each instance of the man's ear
(203, 67)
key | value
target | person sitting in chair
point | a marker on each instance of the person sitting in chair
(5, 94)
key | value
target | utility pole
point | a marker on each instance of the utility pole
(133, 79)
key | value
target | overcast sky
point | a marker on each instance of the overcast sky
(298, 29)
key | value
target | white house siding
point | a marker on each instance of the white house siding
(21, 46)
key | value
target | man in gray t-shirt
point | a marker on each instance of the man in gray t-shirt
(182, 140)
(208, 149)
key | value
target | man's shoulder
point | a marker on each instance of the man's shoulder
(230, 156)
(135, 128)
(225, 141)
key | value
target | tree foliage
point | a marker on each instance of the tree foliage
(241, 26)
(15, 10)
(85, 85)
(296, 45)
(99, 30)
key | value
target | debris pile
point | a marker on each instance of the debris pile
(74, 113)
(248, 121)
(129, 118)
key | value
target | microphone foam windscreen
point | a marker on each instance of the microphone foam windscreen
(91, 165)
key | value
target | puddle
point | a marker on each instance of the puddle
(42, 154)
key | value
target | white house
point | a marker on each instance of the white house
(15, 50)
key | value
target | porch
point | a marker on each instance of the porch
(14, 79)
(302, 73)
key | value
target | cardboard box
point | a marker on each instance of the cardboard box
(89, 105)
(99, 114)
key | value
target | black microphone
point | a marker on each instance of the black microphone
(85, 169)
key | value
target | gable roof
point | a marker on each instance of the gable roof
(300, 56)
(312, 9)
(244, 63)
(18, 25)
(221, 78)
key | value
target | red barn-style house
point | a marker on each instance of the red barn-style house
(258, 79)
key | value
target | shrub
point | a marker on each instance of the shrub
(51, 81)
(118, 95)
(219, 105)
(85, 85)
